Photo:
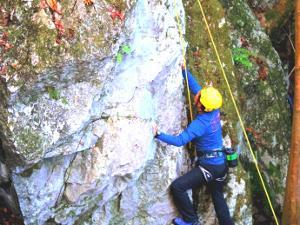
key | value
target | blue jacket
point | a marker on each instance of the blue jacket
(205, 130)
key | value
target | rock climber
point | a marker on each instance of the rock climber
(211, 170)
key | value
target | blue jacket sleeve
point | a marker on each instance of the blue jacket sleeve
(195, 129)
(193, 84)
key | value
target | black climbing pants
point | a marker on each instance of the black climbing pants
(194, 179)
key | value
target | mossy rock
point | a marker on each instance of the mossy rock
(201, 57)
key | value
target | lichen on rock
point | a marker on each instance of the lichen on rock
(76, 117)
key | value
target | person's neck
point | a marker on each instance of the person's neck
(200, 112)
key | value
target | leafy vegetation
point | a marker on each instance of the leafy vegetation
(55, 95)
(242, 56)
(124, 50)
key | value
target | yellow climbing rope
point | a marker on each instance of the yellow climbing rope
(184, 63)
(186, 78)
(232, 98)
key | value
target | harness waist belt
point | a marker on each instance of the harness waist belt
(210, 154)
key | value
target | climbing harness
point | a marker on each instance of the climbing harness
(221, 179)
(209, 154)
(233, 100)
(207, 175)
(230, 153)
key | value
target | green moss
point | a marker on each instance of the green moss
(271, 15)
(258, 195)
(99, 39)
(242, 56)
(53, 93)
(30, 143)
(119, 4)
(31, 37)
(66, 210)
(238, 17)
(78, 48)
(201, 57)
(240, 202)
(275, 171)
(250, 82)
(117, 217)
(29, 171)
(268, 93)
(27, 38)
(86, 217)
(33, 97)
(278, 15)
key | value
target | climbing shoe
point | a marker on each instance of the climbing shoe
(180, 221)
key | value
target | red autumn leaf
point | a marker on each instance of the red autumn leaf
(4, 36)
(14, 65)
(59, 26)
(58, 40)
(53, 5)
(8, 46)
(70, 33)
(197, 64)
(2, 43)
(196, 53)
(4, 17)
(88, 2)
(114, 13)
(245, 43)
(121, 16)
(262, 19)
(263, 72)
(3, 70)
(259, 61)
(43, 4)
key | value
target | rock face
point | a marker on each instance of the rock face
(83, 86)
(81, 129)
(258, 83)
(265, 99)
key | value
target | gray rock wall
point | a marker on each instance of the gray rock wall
(77, 108)
(83, 128)
(263, 99)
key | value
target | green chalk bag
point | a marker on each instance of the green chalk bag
(231, 157)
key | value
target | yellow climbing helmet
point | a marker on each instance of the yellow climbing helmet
(210, 98)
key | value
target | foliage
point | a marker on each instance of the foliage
(55, 95)
(118, 4)
(119, 57)
(242, 56)
(125, 49)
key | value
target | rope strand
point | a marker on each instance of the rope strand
(184, 62)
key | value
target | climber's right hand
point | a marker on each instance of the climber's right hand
(183, 66)
(154, 129)
(197, 97)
